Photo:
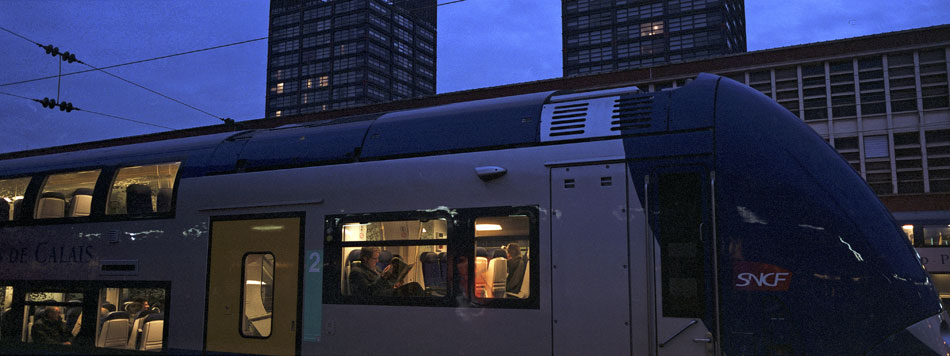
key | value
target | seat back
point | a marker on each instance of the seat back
(498, 275)
(5, 210)
(481, 278)
(81, 203)
(152, 333)
(51, 205)
(523, 290)
(114, 332)
(163, 200)
(138, 199)
(134, 334)
(384, 258)
(347, 267)
(17, 206)
(497, 252)
(431, 272)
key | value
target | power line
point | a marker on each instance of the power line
(137, 61)
(92, 112)
(66, 56)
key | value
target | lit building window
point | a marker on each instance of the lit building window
(651, 28)
(324, 81)
(280, 88)
(277, 113)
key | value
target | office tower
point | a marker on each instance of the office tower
(609, 35)
(332, 54)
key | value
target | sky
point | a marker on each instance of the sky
(481, 43)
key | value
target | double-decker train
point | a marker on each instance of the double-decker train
(705, 220)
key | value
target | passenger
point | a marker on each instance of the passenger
(366, 281)
(50, 328)
(516, 266)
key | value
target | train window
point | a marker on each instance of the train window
(66, 195)
(131, 318)
(390, 258)
(501, 256)
(143, 190)
(258, 295)
(7, 317)
(938, 235)
(52, 317)
(11, 197)
(909, 231)
(680, 218)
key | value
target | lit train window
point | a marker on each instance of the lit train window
(909, 231)
(52, 318)
(399, 258)
(11, 197)
(7, 318)
(501, 257)
(938, 235)
(143, 190)
(258, 295)
(66, 195)
(131, 319)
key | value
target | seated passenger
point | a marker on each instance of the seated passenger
(366, 281)
(49, 327)
(516, 266)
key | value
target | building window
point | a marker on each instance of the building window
(651, 28)
(285, 46)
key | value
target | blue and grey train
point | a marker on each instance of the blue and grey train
(704, 220)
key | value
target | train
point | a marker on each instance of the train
(702, 220)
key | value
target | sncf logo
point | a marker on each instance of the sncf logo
(757, 276)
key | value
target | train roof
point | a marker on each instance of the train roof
(466, 126)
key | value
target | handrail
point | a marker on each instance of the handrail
(690, 323)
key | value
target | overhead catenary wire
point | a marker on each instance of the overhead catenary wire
(136, 61)
(94, 112)
(117, 77)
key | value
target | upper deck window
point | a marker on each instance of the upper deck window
(143, 190)
(66, 195)
(11, 197)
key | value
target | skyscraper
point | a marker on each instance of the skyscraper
(331, 54)
(609, 35)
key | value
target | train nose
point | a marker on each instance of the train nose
(926, 337)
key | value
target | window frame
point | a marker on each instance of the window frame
(244, 293)
(459, 242)
(90, 307)
(100, 195)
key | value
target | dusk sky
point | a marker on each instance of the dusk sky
(481, 43)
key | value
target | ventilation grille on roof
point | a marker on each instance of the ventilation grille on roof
(632, 113)
(569, 119)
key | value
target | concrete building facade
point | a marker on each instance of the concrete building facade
(333, 54)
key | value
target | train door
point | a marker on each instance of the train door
(679, 214)
(253, 279)
(590, 276)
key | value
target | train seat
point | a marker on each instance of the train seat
(152, 332)
(497, 252)
(525, 282)
(431, 272)
(114, 332)
(163, 200)
(443, 268)
(481, 277)
(51, 205)
(138, 199)
(81, 203)
(17, 206)
(497, 276)
(5, 210)
(384, 258)
(350, 258)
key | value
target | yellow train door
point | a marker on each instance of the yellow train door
(253, 285)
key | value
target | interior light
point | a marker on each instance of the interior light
(910, 227)
(8, 199)
(268, 228)
(255, 282)
(18, 197)
(487, 227)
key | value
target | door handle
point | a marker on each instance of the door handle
(704, 339)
